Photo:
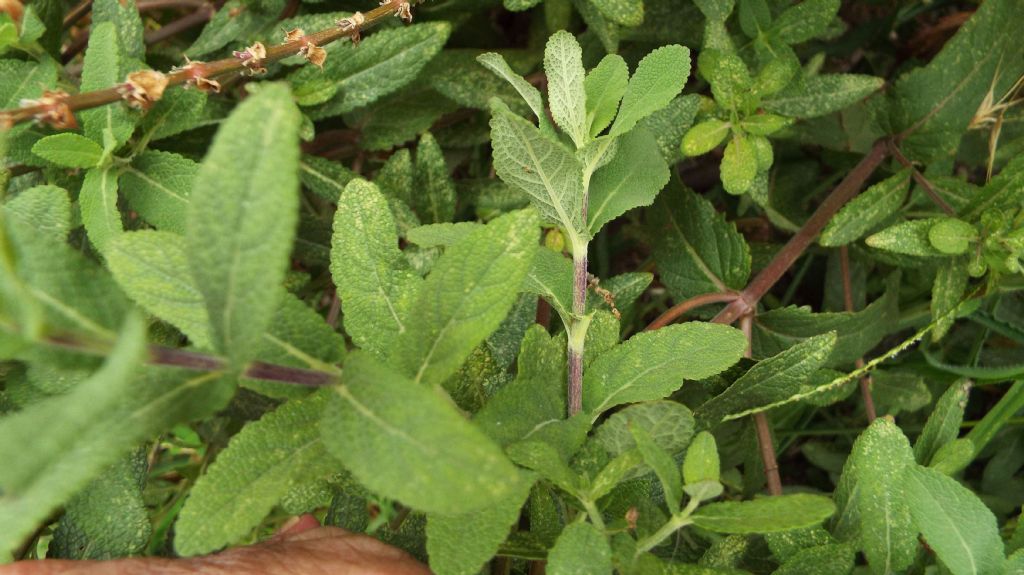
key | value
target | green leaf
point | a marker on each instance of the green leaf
(832, 559)
(563, 64)
(705, 137)
(402, 116)
(434, 200)
(651, 365)
(550, 277)
(325, 178)
(242, 216)
(441, 235)
(933, 105)
(739, 165)
(541, 167)
(383, 63)
(867, 211)
(910, 238)
(716, 10)
(765, 514)
(461, 544)
(728, 75)
(605, 85)
(375, 283)
(102, 69)
(624, 12)
(250, 476)
(952, 236)
(755, 17)
(157, 185)
(822, 94)
(125, 17)
(696, 249)
(467, 295)
(658, 79)
(107, 519)
(632, 179)
(943, 425)
(770, 382)
(69, 150)
(97, 202)
(701, 462)
(957, 526)
(947, 293)
(764, 124)
(408, 442)
(581, 549)
(804, 21)
(668, 423)
(152, 268)
(663, 465)
(888, 537)
(497, 64)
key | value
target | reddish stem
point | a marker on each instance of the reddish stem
(680, 309)
(865, 382)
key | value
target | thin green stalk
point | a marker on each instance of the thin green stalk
(594, 513)
(675, 523)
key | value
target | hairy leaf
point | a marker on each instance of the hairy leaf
(658, 79)
(563, 63)
(632, 179)
(765, 514)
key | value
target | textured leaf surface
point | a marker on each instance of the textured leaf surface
(461, 544)
(943, 425)
(152, 268)
(605, 85)
(97, 201)
(865, 212)
(632, 179)
(374, 280)
(624, 12)
(581, 549)
(497, 64)
(822, 94)
(258, 467)
(69, 150)
(563, 63)
(888, 536)
(241, 219)
(658, 79)
(434, 200)
(769, 382)
(653, 364)
(541, 167)
(909, 238)
(765, 515)
(157, 185)
(406, 441)
(102, 69)
(669, 424)
(955, 523)
(696, 249)
(804, 21)
(469, 292)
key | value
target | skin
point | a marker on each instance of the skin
(301, 547)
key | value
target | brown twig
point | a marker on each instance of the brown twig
(927, 186)
(77, 13)
(851, 185)
(680, 309)
(208, 70)
(865, 382)
(202, 15)
(762, 427)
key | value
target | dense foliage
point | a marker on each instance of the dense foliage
(420, 271)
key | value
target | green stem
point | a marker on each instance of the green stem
(677, 522)
(594, 513)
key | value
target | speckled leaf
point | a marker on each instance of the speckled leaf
(242, 216)
(624, 12)
(563, 64)
(935, 103)
(770, 382)
(434, 200)
(374, 280)
(632, 179)
(124, 15)
(888, 537)
(670, 425)
(461, 544)
(670, 123)
(952, 236)
(658, 79)
(581, 549)
(729, 77)
(464, 299)
(323, 177)
(705, 137)
(152, 268)
(696, 249)
(804, 21)
(541, 167)
(822, 94)
(97, 202)
(157, 185)
(943, 425)
(739, 165)
(381, 64)
(408, 442)
(865, 212)
(652, 365)
(605, 85)
(955, 523)
(765, 514)
(947, 293)
(830, 559)
(257, 468)
(909, 238)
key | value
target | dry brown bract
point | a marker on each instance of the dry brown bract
(252, 58)
(141, 89)
(314, 54)
(403, 9)
(196, 72)
(54, 110)
(352, 24)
